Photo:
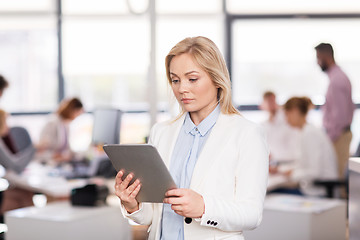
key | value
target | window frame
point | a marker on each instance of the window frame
(229, 19)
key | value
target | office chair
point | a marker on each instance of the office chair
(331, 185)
(20, 137)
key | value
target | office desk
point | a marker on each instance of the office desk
(60, 221)
(354, 198)
(43, 179)
(299, 218)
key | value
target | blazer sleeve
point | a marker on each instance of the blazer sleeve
(146, 210)
(244, 211)
(15, 162)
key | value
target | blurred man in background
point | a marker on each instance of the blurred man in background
(338, 108)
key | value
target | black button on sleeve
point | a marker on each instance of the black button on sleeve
(208, 222)
(212, 223)
(215, 223)
(188, 220)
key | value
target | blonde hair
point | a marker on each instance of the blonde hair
(206, 54)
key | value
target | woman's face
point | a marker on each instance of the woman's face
(293, 117)
(192, 86)
(75, 113)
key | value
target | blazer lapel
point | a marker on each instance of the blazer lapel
(211, 150)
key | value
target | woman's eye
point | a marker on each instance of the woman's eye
(193, 79)
(174, 80)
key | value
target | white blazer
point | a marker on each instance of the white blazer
(230, 173)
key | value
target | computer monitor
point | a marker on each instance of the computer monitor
(106, 129)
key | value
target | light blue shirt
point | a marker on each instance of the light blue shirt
(187, 149)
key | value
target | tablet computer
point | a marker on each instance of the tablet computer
(144, 161)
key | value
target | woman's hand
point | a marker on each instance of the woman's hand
(185, 202)
(127, 193)
(273, 169)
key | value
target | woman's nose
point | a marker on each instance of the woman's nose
(183, 87)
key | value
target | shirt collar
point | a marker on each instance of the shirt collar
(204, 126)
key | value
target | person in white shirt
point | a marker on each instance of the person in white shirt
(283, 140)
(317, 156)
(218, 159)
(54, 138)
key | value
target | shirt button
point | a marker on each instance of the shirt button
(188, 220)
(196, 129)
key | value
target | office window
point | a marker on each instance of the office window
(38, 6)
(279, 55)
(288, 7)
(28, 59)
(106, 60)
(188, 6)
(94, 7)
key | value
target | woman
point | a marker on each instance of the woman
(218, 159)
(54, 137)
(317, 155)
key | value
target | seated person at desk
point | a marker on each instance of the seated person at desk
(317, 157)
(54, 138)
(12, 160)
(282, 139)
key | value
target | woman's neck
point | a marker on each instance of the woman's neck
(302, 122)
(198, 116)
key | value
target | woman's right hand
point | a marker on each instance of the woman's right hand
(126, 193)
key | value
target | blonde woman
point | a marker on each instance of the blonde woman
(218, 159)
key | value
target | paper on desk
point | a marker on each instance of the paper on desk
(291, 203)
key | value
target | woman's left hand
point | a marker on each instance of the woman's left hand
(185, 202)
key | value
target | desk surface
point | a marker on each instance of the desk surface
(61, 212)
(42, 179)
(354, 164)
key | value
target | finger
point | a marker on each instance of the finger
(136, 191)
(118, 179)
(132, 187)
(177, 207)
(180, 213)
(126, 181)
(174, 200)
(178, 192)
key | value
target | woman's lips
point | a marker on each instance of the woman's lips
(186, 100)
